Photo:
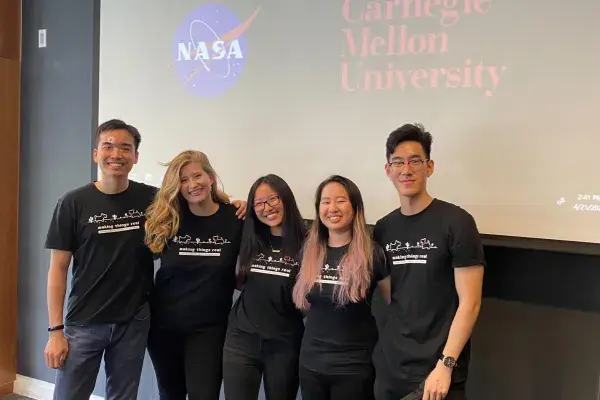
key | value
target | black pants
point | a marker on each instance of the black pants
(188, 363)
(318, 386)
(388, 390)
(248, 358)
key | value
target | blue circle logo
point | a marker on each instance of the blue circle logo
(210, 49)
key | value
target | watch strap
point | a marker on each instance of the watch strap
(56, 328)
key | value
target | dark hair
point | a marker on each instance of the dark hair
(409, 132)
(354, 196)
(256, 234)
(117, 124)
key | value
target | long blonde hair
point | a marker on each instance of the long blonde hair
(356, 266)
(162, 217)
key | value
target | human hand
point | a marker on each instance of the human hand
(56, 350)
(241, 208)
(437, 383)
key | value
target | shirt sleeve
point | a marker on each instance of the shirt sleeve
(465, 242)
(61, 232)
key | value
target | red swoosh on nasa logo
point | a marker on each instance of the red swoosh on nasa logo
(240, 29)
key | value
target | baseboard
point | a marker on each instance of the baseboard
(6, 389)
(37, 389)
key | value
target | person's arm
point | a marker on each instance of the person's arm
(385, 288)
(57, 285)
(469, 282)
(239, 276)
(57, 347)
(60, 240)
(468, 263)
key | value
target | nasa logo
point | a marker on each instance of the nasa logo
(210, 49)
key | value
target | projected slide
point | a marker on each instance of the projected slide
(307, 88)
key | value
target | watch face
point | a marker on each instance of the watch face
(449, 362)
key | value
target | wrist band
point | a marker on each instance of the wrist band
(56, 328)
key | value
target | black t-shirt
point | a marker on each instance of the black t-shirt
(339, 340)
(265, 306)
(112, 268)
(422, 251)
(196, 279)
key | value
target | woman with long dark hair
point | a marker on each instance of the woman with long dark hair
(195, 232)
(341, 266)
(265, 328)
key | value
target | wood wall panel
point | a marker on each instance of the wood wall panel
(6, 389)
(10, 73)
(10, 29)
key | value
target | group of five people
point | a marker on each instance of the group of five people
(303, 318)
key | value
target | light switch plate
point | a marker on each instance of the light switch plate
(42, 38)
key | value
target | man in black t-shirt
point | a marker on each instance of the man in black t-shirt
(100, 228)
(436, 262)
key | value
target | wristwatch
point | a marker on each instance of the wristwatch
(448, 361)
(56, 328)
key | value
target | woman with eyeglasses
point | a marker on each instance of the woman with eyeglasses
(341, 267)
(265, 328)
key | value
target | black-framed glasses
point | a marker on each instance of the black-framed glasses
(272, 201)
(416, 164)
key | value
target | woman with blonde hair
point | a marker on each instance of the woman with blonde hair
(194, 231)
(341, 267)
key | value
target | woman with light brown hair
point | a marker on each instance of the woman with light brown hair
(194, 231)
(340, 269)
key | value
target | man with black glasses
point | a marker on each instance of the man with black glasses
(436, 260)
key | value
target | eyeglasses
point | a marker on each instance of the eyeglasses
(415, 164)
(272, 201)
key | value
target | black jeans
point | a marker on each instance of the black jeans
(387, 390)
(319, 386)
(188, 363)
(247, 358)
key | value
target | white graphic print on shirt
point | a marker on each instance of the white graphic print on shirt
(407, 255)
(281, 266)
(117, 223)
(329, 275)
(210, 247)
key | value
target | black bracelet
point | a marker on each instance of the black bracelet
(56, 328)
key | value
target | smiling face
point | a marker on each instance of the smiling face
(115, 154)
(195, 184)
(408, 168)
(268, 206)
(335, 208)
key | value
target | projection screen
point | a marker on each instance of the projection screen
(308, 88)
